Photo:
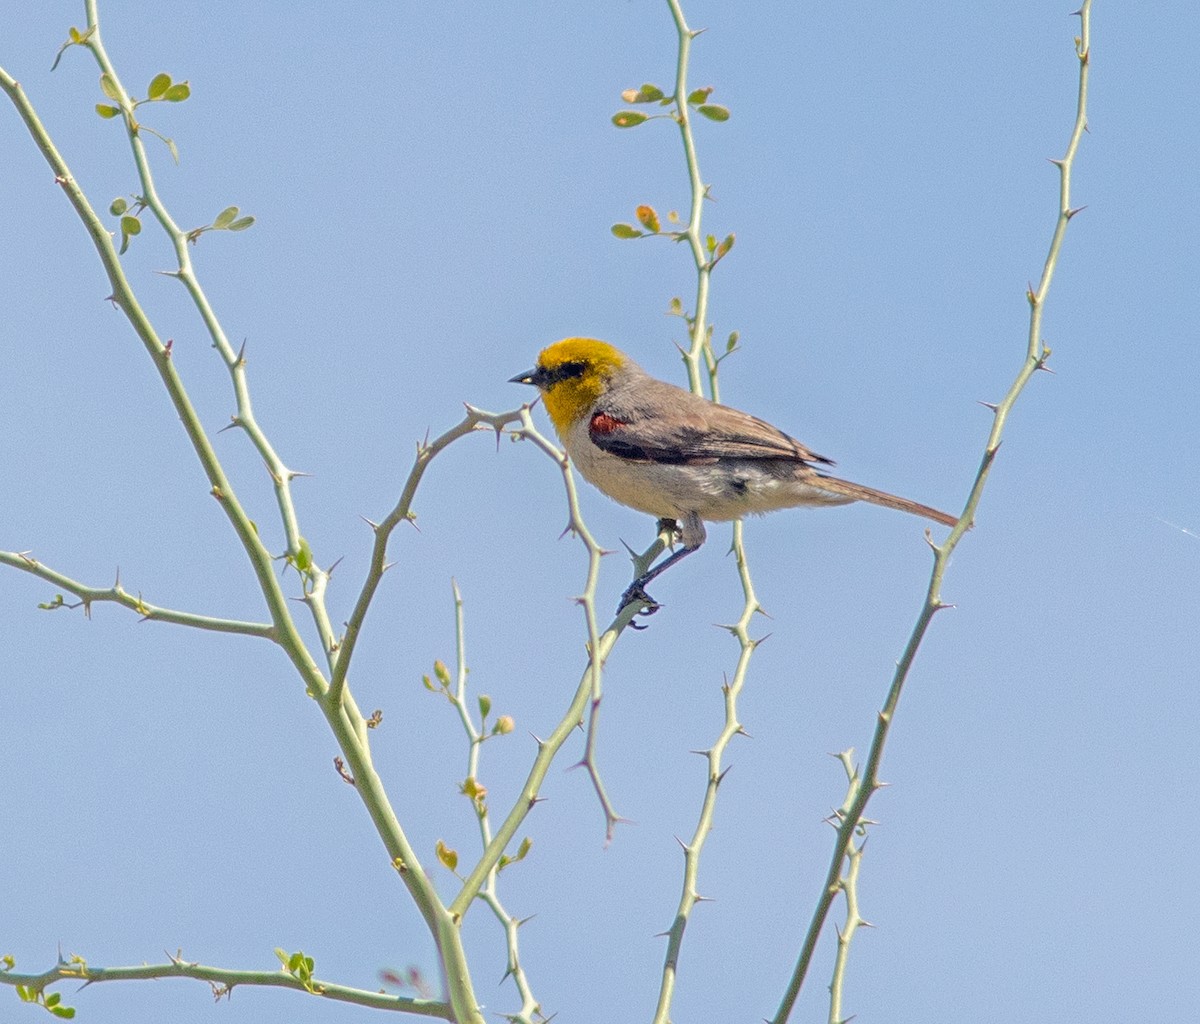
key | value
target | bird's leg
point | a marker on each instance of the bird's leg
(691, 535)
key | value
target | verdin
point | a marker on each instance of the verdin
(678, 456)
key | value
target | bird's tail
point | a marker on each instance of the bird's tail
(857, 492)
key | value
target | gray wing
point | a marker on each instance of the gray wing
(653, 421)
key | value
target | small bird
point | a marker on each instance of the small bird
(678, 456)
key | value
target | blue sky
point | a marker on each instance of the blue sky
(434, 186)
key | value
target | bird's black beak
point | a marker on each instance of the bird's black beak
(528, 377)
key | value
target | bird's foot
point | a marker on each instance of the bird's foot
(635, 594)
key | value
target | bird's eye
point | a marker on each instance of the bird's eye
(566, 371)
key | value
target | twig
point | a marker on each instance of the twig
(1036, 355)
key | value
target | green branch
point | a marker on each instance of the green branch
(472, 787)
(119, 595)
(1035, 359)
(427, 451)
(701, 364)
(223, 981)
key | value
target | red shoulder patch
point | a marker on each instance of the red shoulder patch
(603, 423)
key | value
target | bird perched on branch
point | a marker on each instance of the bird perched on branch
(678, 456)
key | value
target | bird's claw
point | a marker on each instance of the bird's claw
(637, 593)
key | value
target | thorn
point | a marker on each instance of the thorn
(721, 777)
(988, 405)
(233, 422)
(370, 522)
(682, 845)
(1054, 160)
(1078, 209)
(241, 356)
(702, 753)
(340, 766)
(702, 899)
(329, 571)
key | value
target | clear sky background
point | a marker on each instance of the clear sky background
(434, 186)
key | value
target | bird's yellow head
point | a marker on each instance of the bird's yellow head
(571, 374)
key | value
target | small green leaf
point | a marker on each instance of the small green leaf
(159, 84)
(524, 848)
(75, 34)
(714, 112)
(107, 112)
(303, 556)
(65, 1012)
(225, 218)
(447, 856)
(428, 683)
(118, 207)
(697, 96)
(710, 243)
(648, 93)
(485, 705)
(725, 245)
(8, 962)
(442, 673)
(731, 344)
(242, 224)
(676, 307)
(108, 85)
(626, 231)
(130, 226)
(283, 957)
(628, 118)
(53, 999)
(172, 150)
(179, 92)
